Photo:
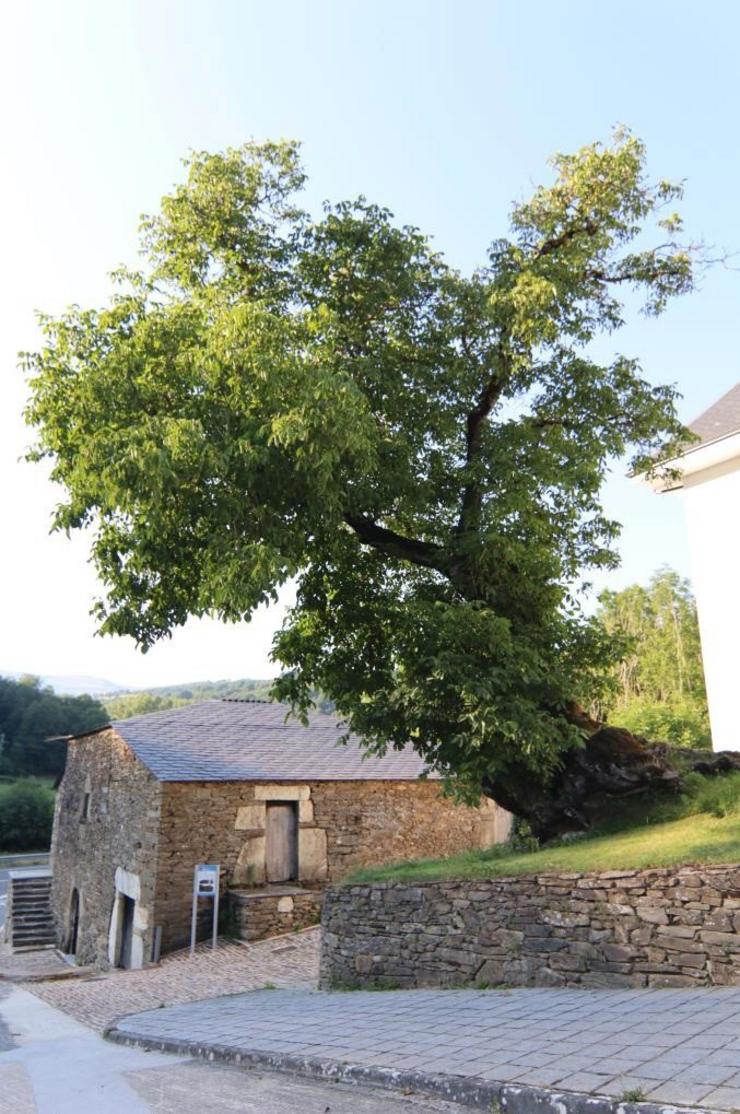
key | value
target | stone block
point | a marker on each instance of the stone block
(312, 857)
(652, 914)
(490, 973)
(684, 931)
(667, 982)
(250, 865)
(305, 812)
(673, 944)
(689, 959)
(617, 953)
(729, 940)
(282, 792)
(565, 919)
(250, 817)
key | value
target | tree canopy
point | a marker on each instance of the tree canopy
(276, 396)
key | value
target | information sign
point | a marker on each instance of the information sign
(206, 878)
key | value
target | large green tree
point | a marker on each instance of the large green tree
(277, 396)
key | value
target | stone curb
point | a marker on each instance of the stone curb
(471, 1091)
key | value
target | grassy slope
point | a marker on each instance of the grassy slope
(701, 826)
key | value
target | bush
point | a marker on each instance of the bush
(718, 796)
(26, 815)
(683, 723)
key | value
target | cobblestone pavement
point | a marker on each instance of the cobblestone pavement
(670, 1046)
(20, 965)
(97, 1001)
(43, 963)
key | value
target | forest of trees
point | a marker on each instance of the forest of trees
(658, 688)
(29, 715)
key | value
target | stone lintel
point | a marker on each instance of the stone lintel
(282, 792)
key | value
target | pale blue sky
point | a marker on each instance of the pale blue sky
(445, 112)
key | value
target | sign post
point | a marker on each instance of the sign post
(206, 878)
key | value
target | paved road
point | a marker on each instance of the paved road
(674, 1046)
(6, 1041)
(58, 1066)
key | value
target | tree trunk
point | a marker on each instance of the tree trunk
(613, 763)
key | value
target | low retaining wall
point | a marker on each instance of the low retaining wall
(631, 928)
(261, 913)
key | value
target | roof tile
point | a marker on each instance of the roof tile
(721, 419)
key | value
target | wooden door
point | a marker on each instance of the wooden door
(281, 842)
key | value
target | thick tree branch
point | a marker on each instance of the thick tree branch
(472, 498)
(550, 423)
(585, 228)
(417, 552)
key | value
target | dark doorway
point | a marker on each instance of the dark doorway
(74, 923)
(128, 907)
(281, 841)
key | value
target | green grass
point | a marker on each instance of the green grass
(700, 826)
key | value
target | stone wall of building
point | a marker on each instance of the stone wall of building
(255, 914)
(104, 846)
(622, 928)
(342, 825)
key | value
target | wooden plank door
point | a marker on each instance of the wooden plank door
(281, 841)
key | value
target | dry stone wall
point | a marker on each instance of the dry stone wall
(270, 913)
(620, 928)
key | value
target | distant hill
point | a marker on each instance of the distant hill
(121, 702)
(216, 690)
(124, 705)
(72, 685)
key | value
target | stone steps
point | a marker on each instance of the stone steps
(30, 919)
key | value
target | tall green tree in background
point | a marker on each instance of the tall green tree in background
(276, 396)
(659, 686)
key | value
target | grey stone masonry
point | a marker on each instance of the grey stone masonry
(273, 911)
(658, 928)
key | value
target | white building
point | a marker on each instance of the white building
(710, 483)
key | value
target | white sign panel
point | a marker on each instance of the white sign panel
(206, 879)
(205, 884)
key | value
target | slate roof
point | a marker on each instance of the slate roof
(250, 740)
(721, 419)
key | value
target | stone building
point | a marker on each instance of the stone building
(282, 808)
